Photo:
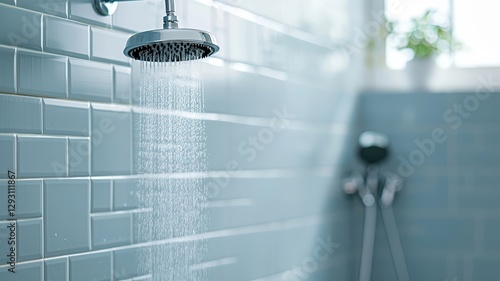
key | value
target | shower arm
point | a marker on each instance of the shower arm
(170, 20)
(108, 8)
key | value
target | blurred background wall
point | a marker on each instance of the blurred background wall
(67, 129)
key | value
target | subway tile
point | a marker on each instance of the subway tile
(125, 15)
(82, 10)
(29, 237)
(20, 28)
(41, 157)
(127, 263)
(123, 88)
(7, 79)
(28, 199)
(111, 230)
(41, 74)
(90, 267)
(101, 195)
(491, 234)
(7, 150)
(66, 226)
(403, 110)
(486, 269)
(90, 80)
(31, 271)
(20, 114)
(65, 117)
(244, 41)
(5, 243)
(425, 234)
(478, 159)
(484, 113)
(52, 7)
(56, 269)
(477, 200)
(111, 142)
(75, 41)
(79, 154)
(108, 45)
(125, 194)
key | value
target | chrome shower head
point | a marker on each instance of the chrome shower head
(171, 45)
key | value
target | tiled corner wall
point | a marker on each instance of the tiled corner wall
(447, 214)
(67, 129)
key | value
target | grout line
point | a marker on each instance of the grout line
(42, 32)
(111, 190)
(89, 214)
(89, 116)
(68, 75)
(16, 78)
(16, 155)
(67, 268)
(112, 267)
(67, 157)
(43, 218)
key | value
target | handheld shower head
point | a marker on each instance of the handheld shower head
(373, 147)
(171, 44)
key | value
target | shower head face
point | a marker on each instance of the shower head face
(373, 147)
(171, 45)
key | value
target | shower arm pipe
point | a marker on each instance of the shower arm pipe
(170, 21)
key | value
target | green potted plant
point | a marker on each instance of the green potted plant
(425, 39)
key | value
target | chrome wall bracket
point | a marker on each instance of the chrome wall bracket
(105, 7)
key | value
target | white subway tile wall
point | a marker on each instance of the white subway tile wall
(67, 112)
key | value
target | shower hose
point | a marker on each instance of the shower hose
(369, 230)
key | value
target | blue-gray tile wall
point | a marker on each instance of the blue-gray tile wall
(66, 118)
(66, 216)
(90, 80)
(68, 112)
(32, 271)
(75, 32)
(111, 142)
(29, 240)
(56, 269)
(20, 114)
(8, 152)
(42, 74)
(90, 267)
(41, 157)
(447, 213)
(101, 195)
(29, 199)
(20, 28)
(111, 230)
(7, 81)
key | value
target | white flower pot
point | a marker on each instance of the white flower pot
(420, 73)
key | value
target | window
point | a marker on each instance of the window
(474, 25)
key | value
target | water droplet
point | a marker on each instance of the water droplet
(55, 234)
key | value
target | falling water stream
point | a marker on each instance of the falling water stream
(171, 143)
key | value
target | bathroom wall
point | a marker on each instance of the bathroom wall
(445, 146)
(66, 130)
